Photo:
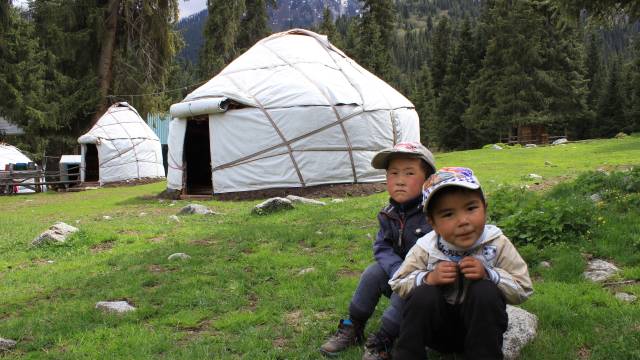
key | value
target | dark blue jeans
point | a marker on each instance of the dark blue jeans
(374, 283)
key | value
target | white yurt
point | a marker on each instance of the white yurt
(120, 147)
(10, 154)
(292, 111)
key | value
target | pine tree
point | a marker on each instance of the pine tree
(375, 34)
(593, 76)
(220, 33)
(327, 27)
(633, 104)
(254, 25)
(611, 116)
(531, 74)
(451, 131)
(440, 54)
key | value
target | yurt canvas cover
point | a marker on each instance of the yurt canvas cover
(10, 154)
(124, 147)
(292, 111)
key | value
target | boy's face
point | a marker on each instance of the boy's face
(405, 177)
(459, 217)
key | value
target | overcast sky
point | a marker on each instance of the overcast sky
(187, 7)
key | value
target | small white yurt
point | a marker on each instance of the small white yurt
(10, 154)
(292, 111)
(120, 147)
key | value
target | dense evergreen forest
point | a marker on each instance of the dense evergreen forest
(476, 70)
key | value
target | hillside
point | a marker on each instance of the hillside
(275, 286)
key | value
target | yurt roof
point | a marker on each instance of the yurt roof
(120, 121)
(293, 68)
(10, 154)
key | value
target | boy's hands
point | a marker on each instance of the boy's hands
(472, 268)
(446, 272)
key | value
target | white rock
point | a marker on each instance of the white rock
(115, 306)
(521, 330)
(106, 217)
(272, 205)
(142, 214)
(496, 147)
(600, 270)
(595, 197)
(545, 264)
(306, 271)
(57, 233)
(534, 176)
(560, 141)
(531, 146)
(626, 297)
(174, 218)
(179, 256)
(7, 344)
(337, 201)
(196, 209)
(304, 200)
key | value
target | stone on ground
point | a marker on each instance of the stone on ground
(337, 201)
(174, 218)
(600, 270)
(115, 306)
(521, 330)
(560, 141)
(6, 344)
(304, 200)
(272, 205)
(179, 256)
(531, 146)
(496, 147)
(626, 297)
(57, 233)
(306, 271)
(196, 209)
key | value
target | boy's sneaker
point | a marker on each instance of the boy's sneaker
(378, 347)
(348, 334)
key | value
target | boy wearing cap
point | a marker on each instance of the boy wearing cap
(401, 223)
(459, 277)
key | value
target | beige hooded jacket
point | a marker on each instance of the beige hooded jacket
(504, 265)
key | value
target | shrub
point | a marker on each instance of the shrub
(529, 218)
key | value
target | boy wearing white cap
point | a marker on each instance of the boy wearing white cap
(459, 277)
(401, 223)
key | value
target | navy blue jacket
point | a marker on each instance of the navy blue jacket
(401, 225)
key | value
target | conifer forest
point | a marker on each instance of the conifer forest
(474, 69)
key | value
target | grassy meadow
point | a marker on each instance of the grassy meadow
(275, 286)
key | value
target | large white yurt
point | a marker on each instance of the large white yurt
(120, 147)
(292, 111)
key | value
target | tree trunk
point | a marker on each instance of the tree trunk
(106, 58)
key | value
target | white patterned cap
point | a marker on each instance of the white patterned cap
(448, 176)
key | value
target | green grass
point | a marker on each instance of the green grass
(241, 294)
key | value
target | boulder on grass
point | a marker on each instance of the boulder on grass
(115, 306)
(272, 205)
(56, 234)
(304, 200)
(196, 209)
(6, 344)
(521, 330)
(600, 270)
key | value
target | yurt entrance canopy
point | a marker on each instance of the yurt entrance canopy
(120, 147)
(292, 111)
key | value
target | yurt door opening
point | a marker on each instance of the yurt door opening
(92, 169)
(197, 157)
